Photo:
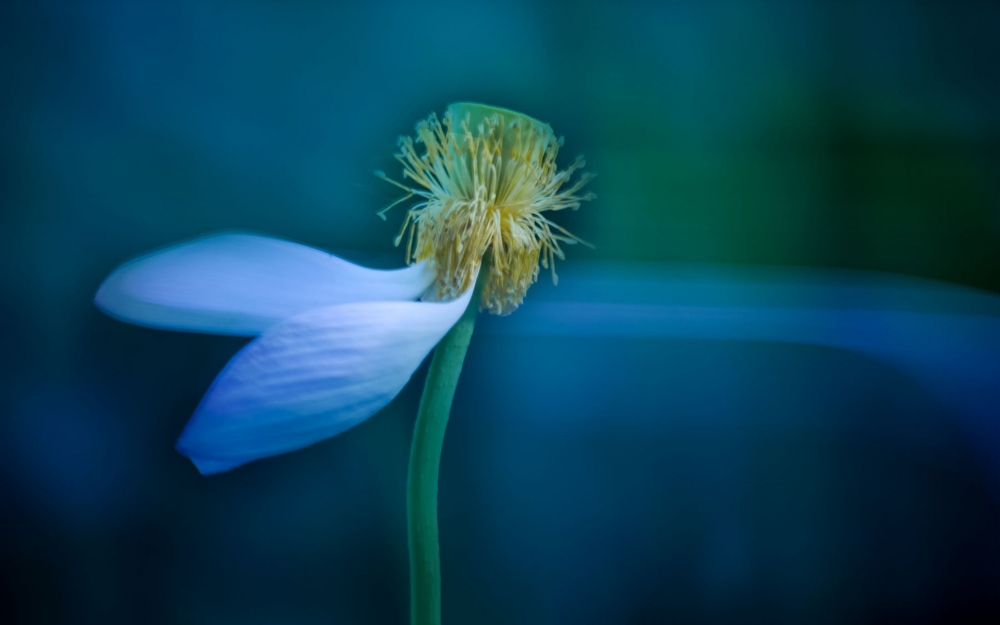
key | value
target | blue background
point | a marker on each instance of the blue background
(600, 480)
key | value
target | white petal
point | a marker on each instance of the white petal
(242, 284)
(311, 377)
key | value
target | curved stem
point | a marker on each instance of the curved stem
(425, 459)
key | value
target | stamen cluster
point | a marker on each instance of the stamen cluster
(483, 181)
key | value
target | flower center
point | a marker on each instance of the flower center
(486, 176)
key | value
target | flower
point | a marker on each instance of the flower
(336, 341)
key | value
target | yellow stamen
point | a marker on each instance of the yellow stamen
(483, 181)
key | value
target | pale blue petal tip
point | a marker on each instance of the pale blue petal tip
(210, 466)
(207, 466)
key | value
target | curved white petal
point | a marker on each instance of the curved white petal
(311, 377)
(242, 284)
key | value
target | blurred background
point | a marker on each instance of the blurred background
(585, 480)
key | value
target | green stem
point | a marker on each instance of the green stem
(425, 460)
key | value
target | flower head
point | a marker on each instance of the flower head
(485, 179)
(335, 342)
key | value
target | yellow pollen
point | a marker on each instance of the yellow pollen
(486, 176)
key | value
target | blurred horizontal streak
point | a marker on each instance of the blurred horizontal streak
(759, 286)
(945, 336)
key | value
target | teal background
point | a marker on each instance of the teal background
(584, 481)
